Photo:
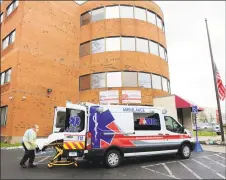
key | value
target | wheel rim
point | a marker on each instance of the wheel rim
(186, 151)
(113, 159)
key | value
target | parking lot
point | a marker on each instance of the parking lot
(200, 166)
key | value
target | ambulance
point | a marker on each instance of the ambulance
(113, 132)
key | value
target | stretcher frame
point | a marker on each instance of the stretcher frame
(58, 146)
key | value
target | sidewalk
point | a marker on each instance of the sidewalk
(213, 138)
(214, 148)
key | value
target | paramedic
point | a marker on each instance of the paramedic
(29, 146)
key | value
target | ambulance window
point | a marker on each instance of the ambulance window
(60, 121)
(172, 125)
(75, 120)
(147, 122)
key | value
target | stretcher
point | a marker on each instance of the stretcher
(56, 142)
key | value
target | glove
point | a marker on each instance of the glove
(37, 149)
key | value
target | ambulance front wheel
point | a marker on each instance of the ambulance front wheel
(185, 151)
(113, 159)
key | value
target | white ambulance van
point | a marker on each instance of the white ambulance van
(114, 132)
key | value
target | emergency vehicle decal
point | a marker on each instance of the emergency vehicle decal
(74, 145)
(105, 132)
(98, 124)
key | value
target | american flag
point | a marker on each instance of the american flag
(220, 85)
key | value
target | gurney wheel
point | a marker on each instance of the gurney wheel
(50, 165)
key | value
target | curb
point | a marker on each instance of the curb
(9, 148)
(213, 143)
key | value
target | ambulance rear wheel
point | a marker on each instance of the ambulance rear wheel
(185, 151)
(113, 159)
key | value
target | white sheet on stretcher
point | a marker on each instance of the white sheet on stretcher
(51, 138)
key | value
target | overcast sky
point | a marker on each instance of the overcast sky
(188, 51)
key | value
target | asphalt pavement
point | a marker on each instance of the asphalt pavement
(204, 165)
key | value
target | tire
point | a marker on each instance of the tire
(185, 151)
(113, 159)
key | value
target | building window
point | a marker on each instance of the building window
(142, 45)
(113, 44)
(9, 39)
(162, 52)
(84, 82)
(159, 23)
(128, 44)
(156, 82)
(140, 13)
(151, 17)
(112, 12)
(154, 48)
(5, 76)
(144, 80)
(98, 46)
(129, 79)
(166, 58)
(123, 44)
(85, 49)
(126, 11)
(12, 7)
(98, 80)
(169, 90)
(1, 17)
(98, 14)
(164, 84)
(85, 18)
(114, 79)
(4, 111)
(146, 122)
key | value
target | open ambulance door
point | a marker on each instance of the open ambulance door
(75, 127)
(59, 119)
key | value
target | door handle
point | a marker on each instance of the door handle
(160, 134)
(167, 134)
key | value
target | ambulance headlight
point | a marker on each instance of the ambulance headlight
(164, 111)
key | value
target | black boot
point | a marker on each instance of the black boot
(23, 165)
(32, 165)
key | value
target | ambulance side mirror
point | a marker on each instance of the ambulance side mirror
(182, 128)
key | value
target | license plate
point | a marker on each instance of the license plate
(72, 153)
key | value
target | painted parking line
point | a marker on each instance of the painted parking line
(179, 160)
(220, 156)
(43, 159)
(215, 161)
(209, 168)
(168, 170)
(160, 173)
(196, 175)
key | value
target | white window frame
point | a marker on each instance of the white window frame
(10, 38)
(14, 4)
(2, 16)
(3, 76)
(3, 122)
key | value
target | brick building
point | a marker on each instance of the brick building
(53, 52)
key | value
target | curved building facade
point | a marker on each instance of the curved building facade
(122, 48)
(58, 51)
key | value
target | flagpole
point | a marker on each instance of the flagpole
(215, 83)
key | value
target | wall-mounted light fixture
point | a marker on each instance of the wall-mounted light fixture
(49, 90)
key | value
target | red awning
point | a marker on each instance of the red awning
(182, 103)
